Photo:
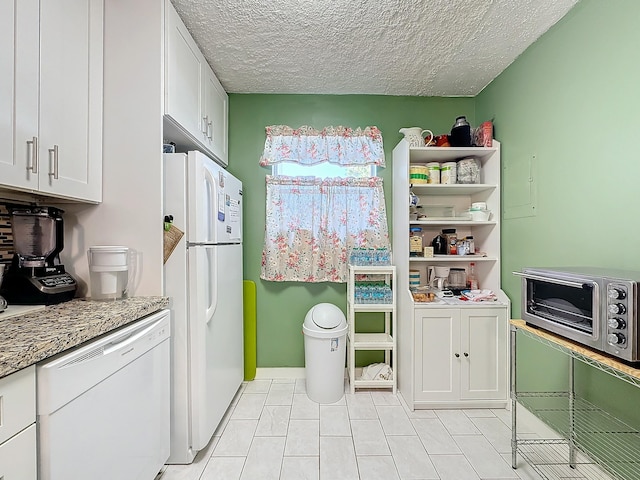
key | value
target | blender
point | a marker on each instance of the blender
(35, 276)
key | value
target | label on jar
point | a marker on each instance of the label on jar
(415, 245)
(448, 173)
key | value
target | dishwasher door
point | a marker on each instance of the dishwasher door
(103, 408)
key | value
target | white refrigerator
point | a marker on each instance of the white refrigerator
(203, 277)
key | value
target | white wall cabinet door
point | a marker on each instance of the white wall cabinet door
(19, 92)
(437, 361)
(216, 114)
(184, 73)
(71, 52)
(484, 353)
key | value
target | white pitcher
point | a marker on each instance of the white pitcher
(415, 136)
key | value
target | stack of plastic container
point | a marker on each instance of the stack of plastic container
(370, 256)
(372, 293)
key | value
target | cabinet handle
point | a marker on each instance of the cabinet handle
(457, 355)
(210, 128)
(205, 123)
(53, 170)
(466, 354)
(32, 161)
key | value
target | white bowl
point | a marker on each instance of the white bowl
(480, 215)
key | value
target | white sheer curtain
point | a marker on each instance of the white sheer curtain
(312, 224)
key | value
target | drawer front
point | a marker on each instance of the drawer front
(18, 459)
(17, 402)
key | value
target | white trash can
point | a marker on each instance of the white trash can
(325, 338)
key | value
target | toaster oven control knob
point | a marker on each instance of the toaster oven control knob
(617, 323)
(617, 308)
(615, 339)
(616, 293)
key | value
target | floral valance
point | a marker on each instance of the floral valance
(308, 146)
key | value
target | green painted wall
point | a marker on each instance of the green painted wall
(568, 105)
(572, 101)
(282, 306)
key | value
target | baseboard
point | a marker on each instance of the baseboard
(279, 372)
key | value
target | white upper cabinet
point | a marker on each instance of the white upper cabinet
(56, 134)
(216, 113)
(19, 92)
(184, 71)
(71, 49)
(196, 105)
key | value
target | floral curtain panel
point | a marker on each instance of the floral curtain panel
(308, 146)
(313, 223)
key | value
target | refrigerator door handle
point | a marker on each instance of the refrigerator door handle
(211, 199)
(212, 287)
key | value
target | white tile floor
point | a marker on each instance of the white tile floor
(274, 431)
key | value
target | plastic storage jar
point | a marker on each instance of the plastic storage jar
(433, 170)
(448, 173)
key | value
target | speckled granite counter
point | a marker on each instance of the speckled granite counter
(30, 338)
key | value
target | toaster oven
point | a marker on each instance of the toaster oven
(595, 307)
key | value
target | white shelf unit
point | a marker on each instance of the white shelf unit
(418, 323)
(382, 341)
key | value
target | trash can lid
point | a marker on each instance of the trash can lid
(325, 316)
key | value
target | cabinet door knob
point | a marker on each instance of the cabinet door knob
(457, 355)
(466, 354)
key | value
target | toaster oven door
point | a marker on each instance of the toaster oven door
(568, 306)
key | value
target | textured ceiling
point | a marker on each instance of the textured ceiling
(385, 47)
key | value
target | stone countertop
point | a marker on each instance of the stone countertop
(35, 336)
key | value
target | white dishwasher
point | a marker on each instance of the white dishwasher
(103, 409)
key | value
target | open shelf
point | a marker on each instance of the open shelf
(447, 154)
(372, 383)
(373, 341)
(383, 341)
(595, 445)
(453, 258)
(455, 189)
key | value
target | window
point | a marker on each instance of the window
(323, 199)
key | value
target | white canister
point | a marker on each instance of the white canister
(433, 170)
(109, 271)
(448, 173)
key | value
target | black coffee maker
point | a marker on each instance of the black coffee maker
(36, 276)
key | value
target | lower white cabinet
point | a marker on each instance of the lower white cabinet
(18, 458)
(461, 357)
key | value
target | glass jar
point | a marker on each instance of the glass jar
(452, 240)
(471, 246)
(415, 242)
